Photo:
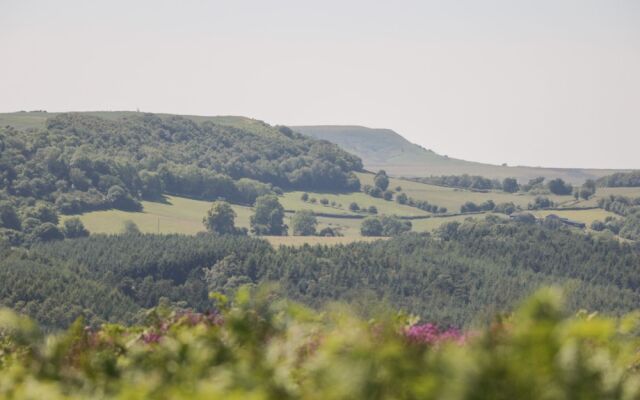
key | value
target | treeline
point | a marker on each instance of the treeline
(466, 273)
(79, 161)
(464, 181)
(380, 190)
(82, 163)
(621, 179)
(511, 185)
(628, 226)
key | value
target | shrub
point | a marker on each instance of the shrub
(74, 228)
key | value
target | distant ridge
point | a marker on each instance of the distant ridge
(388, 150)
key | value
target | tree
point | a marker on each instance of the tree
(371, 226)
(47, 232)
(559, 187)
(74, 228)
(9, 217)
(305, 196)
(598, 226)
(510, 185)
(120, 199)
(588, 189)
(151, 185)
(505, 208)
(43, 213)
(354, 207)
(487, 205)
(381, 180)
(402, 198)
(533, 184)
(220, 219)
(388, 195)
(393, 226)
(376, 192)
(268, 218)
(469, 206)
(304, 223)
(130, 228)
(328, 231)
(540, 203)
(372, 210)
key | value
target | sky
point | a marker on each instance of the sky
(539, 83)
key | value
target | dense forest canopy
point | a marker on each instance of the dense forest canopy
(147, 154)
(81, 163)
(463, 274)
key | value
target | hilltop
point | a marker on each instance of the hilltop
(388, 150)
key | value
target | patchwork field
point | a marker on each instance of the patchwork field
(183, 215)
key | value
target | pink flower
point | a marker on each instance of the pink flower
(151, 337)
(431, 334)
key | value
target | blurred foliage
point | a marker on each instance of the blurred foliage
(260, 346)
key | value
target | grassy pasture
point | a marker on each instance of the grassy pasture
(454, 198)
(431, 224)
(606, 192)
(182, 215)
(584, 216)
(176, 215)
(292, 201)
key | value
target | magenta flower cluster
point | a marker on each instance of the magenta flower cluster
(431, 334)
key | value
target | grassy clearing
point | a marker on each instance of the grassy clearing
(292, 201)
(584, 216)
(454, 198)
(313, 240)
(431, 224)
(606, 192)
(184, 216)
(176, 215)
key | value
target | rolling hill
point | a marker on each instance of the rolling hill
(386, 149)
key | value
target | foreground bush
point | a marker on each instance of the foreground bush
(260, 347)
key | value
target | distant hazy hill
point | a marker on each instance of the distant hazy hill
(386, 149)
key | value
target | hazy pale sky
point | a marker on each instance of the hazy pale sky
(553, 83)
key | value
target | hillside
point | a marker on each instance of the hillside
(162, 171)
(386, 149)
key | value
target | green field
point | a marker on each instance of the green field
(176, 215)
(584, 216)
(182, 215)
(292, 201)
(453, 198)
(430, 224)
